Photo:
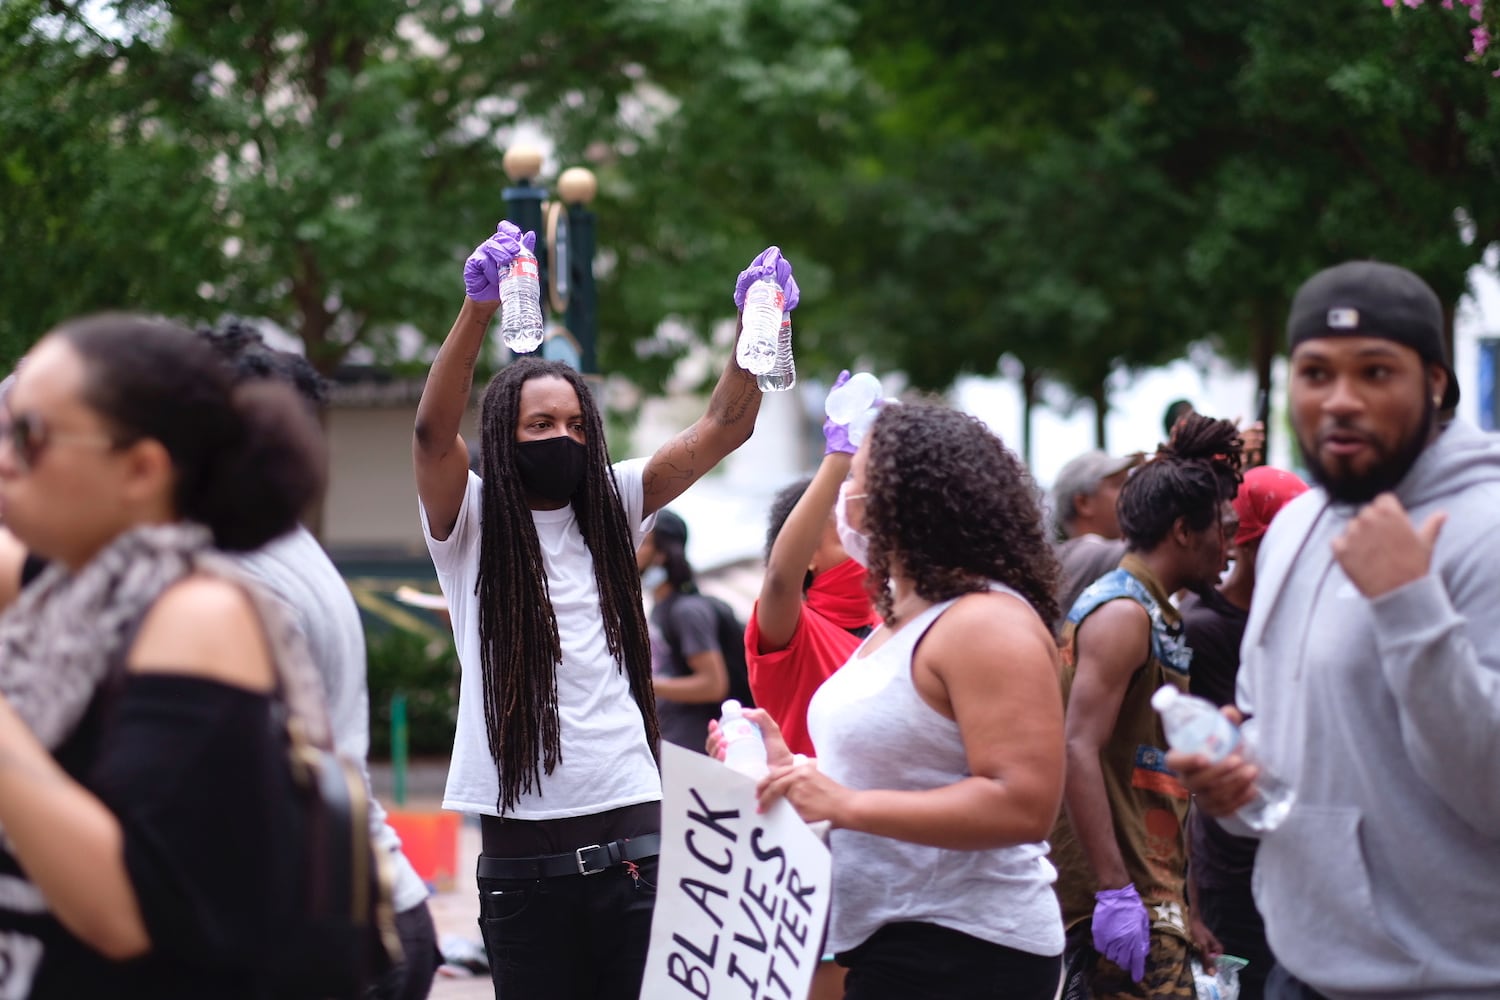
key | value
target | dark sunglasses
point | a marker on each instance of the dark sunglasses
(28, 436)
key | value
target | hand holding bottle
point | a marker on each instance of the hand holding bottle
(1212, 755)
(489, 261)
(836, 435)
(854, 402)
(777, 753)
(768, 264)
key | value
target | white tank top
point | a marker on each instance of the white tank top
(873, 731)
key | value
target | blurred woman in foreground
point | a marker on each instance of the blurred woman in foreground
(144, 781)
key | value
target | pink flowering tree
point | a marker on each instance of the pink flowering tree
(1480, 34)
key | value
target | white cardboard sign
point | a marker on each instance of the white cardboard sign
(741, 898)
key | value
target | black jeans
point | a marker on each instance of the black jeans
(573, 937)
(1232, 916)
(916, 961)
(1282, 985)
(412, 979)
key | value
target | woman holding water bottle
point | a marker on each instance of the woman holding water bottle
(940, 742)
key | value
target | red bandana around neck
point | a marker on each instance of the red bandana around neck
(838, 594)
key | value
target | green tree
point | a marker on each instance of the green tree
(1084, 187)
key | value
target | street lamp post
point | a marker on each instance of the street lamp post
(523, 199)
(577, 187)
(565, 253)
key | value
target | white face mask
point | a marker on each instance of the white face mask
(653, 577)
(854, 541)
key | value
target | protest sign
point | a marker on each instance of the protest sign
(741, 898)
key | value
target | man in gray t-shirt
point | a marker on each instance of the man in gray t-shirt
(299, 573)
(1083, 509)
(688, 665)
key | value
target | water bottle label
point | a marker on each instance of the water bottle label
(764, 295)
(1212, 735)
(524, 267)
(737, 729)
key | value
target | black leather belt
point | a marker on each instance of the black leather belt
(589, 860)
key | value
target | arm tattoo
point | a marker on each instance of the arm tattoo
(731, 401)
(679, 465)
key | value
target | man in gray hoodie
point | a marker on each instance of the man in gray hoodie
(1371, 663)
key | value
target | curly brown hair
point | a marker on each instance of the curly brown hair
(954, 507)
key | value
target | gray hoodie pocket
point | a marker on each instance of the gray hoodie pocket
(1313, 888)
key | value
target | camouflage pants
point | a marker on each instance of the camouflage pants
(1091, 976)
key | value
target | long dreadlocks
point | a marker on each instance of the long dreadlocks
(518, 639)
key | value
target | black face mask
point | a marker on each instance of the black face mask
(551, 468)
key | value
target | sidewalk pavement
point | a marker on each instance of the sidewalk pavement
(455, 910)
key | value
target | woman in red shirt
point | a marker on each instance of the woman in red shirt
(813, 608)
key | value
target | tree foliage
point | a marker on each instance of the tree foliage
(1085, 187)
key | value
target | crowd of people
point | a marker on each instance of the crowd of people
(954, 679)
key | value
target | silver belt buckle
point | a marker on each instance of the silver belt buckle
(582, 867)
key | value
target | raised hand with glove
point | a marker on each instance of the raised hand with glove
(764, 293)
(836, 436)
(769, 263)
(1122, 929)
(487, 264)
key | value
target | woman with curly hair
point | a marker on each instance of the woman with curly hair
(940, 742)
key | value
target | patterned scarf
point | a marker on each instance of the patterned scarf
(60, 640)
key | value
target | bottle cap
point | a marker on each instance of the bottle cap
(1164, 696)
(731, 706)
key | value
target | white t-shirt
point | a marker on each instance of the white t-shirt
(605, 763)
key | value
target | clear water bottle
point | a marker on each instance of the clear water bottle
(860, 425)
(852, 398)
(1195, 725)
(521, 304)
(784, 375)
(744, 747)
(760, 327)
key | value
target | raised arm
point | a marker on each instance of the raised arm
(732, 408)
(438, 451)
(780, 605)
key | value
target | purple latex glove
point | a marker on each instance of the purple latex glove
(768, 264)
(489, 260)
(836, 436)
(1122, 929)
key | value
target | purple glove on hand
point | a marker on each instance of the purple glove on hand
(836, 436)
(1122, 929)
(768, 264)
(490, 259)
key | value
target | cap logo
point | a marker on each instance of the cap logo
(1343, 319)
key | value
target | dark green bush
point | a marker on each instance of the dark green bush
(427, 673)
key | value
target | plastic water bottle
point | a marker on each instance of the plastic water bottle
(860, 425)
(784, 375)
(521, 304)
(1195, 725)
(852, 398)
(760, 327)
(744, 747)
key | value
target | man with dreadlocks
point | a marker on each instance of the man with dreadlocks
(557, 729)
(1119, 849)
